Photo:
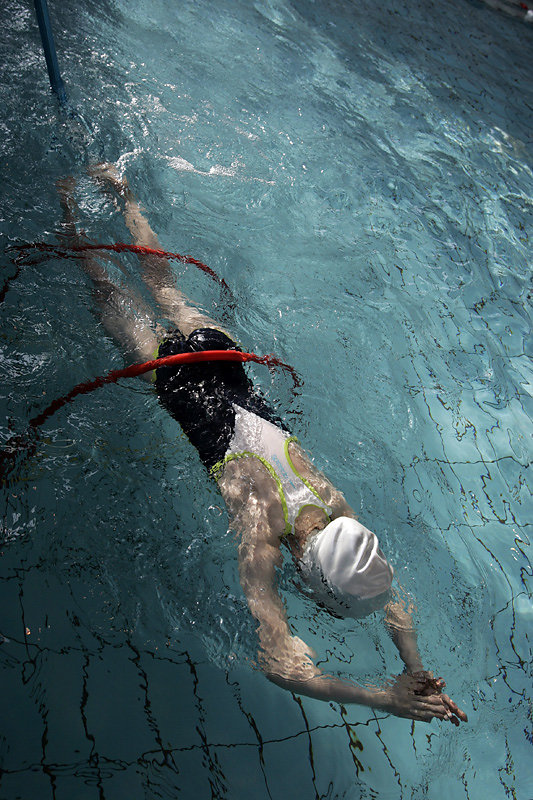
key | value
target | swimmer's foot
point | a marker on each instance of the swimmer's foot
(108, 176)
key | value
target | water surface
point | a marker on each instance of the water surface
(361, 177)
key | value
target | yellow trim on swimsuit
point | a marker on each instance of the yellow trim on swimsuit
(218, 467)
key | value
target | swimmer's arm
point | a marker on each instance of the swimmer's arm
(402, 697)
(329, 494)
(399, 624)
(286, 659)
(415, 697)
(259, 558)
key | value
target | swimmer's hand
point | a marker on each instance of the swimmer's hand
(419, 697)
(432, 686)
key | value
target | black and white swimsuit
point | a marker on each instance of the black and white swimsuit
(226, 418)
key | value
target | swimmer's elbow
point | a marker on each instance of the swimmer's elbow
(291, 682)
(294, 675)
(301, 677)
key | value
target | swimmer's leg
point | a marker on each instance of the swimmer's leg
(156, 271)
(124, 315)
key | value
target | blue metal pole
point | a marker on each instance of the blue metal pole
(47, 38)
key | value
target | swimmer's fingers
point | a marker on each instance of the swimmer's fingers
(420, 697)
(440, 706)
(430, 707)
(426, 684)
(454, 712)
(434, 686)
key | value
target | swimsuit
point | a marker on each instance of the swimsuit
(226, 418)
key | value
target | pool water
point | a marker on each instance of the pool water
(360, 174)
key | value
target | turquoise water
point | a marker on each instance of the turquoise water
(361, 177)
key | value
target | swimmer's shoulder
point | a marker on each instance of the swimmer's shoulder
(250, 490)
(309, 472)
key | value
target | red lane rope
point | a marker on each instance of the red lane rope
(120, 247)
(148, 366)
(22, 446)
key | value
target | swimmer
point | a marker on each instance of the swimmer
(274, 494)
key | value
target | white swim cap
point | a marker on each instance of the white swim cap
(348, 559)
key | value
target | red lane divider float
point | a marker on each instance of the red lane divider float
(24, 446)
(61, 251)
(167, 361)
